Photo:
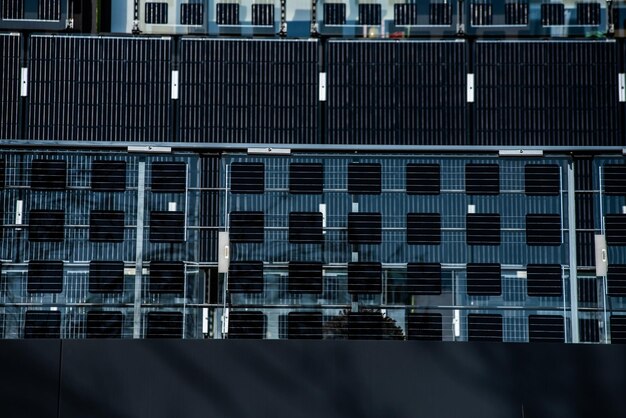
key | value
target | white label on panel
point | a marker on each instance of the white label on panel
(323, 212)
(171, 206)
(622, 87)
(225, 322)
(471, 208)
(470, 88)
(456, 321)
(24, 83)
(322, 87)
(521, 274)
(175, 84)
(223, 257)
(19, 206)
(205, 320)
(602, 260)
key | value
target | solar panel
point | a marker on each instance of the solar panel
(46, 226)
(247, 227)
(365, 326)
(304, 325)
(424, 326)
(305, 228)
(546, 328)
(482, 179)
(164, 325)
(167, 226)
(484, 327)
(542, 180)
(423, 178)
(106, 226)
(245, 277)
(106, 276)
(48, 174)
(423, 278)
(483, 229)
(543, 229)
(544, 280)
(108, 175)
(104, 324)
(616, 280)
(618, 329)
(364, 277)
(246, 325)
(615, 179)
(364, 228)
(167, 277)
(42, 324)
(247, 178)
(305, 277)
(306, 178)
(364, 178)
(45, 276)
(615, 226)
(484, 279)
(423, 228)
(169, 177)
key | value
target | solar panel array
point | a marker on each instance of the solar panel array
(215, 92)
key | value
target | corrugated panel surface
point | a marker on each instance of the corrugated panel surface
(248, 91)
(546, 93)
(9, 85)
(453, 204)
(209, 207)
(585, 218)
(400, 93)
(99, 89)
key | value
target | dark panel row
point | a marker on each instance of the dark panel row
(397, 93)
(102, 324)
(547, 93)
(421, 179)
(421, 228)
(99, 89)
(245, 91)
(372, 325)
(421, 278)
(47, 276)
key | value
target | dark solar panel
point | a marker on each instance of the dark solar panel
(45, 276)
(424, 326)
(544, 280)
(305, 277)
(364, 178)
(169, 177)
(423, 228)
(247, 227)
(108, 176)
(546, 328)
(364, 277)
(106, 226)
(484, 279)
(423, 178)
(167, 277)
(246, 325)
(364, 228)
(482, 179)
(306, 178)
(245, 277)
(106, 276)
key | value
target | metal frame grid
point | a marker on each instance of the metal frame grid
(276, 251)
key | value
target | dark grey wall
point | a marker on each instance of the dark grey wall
(310, 379)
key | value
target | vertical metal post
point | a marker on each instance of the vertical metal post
(141, 197)
(573, 262)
